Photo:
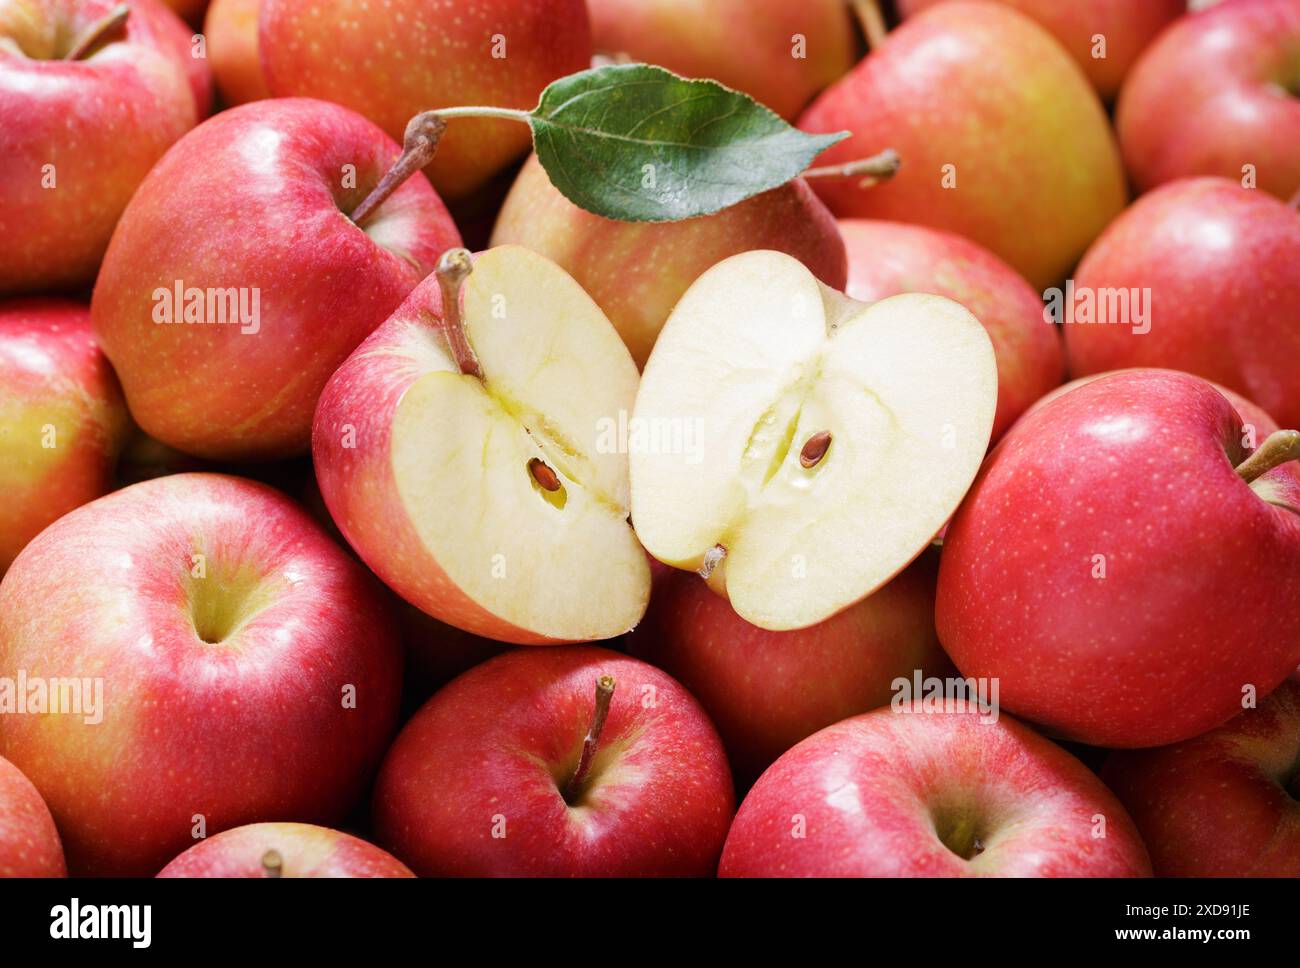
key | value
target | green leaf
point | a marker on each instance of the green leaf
(638, 143)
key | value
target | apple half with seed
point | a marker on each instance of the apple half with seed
(798, 448)
(464, 450)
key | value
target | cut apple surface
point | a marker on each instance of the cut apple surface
(829, 439)
(478, 486)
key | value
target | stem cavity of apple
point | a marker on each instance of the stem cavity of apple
(712, 558)
(272, 863)
(814, 449)
(604, 693)
(419, 145)
(1279, 447)
(454, 267)
(99, 31)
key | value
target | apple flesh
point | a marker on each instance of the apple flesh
(636, 271)
(1002, 139)
(1089, 566)
(808, 422)
(231, 29)
(29, 841)
(779, 53)
(393, 61)
(765, 691)
(1080, 25)
(63, 416)
(79, 136)
(1225, 804)
(491, 500)
(481, 780)
(1219, 262)
(248, 669)
(1218, 91)
(940, 794)
(254, 205)
(284, 850)
(888, 258)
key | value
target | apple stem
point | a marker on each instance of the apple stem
(872, 22)
(272, 863)
(604, 693)
(869, 170)
(453, 267)
(712, 558)
(1280, 446)
(99, 31)
(419, 145)
(814, 449)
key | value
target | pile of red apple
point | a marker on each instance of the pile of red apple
(623, 548)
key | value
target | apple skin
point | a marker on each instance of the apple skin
(1211, 95)
(305, 851)
(231, 29)
(1127, 26)
(101, 122)
(499, 742)
(764, 690)
(745, 44)
(392, 62)
(254, 199)
(887, 258)
(53, 377)
(879, 793)
(1220, 262)
(191, 11)
(29, 841)
(1219, 805)
(1137, 467)
(247, 728)
(984, 89)
(636, 271)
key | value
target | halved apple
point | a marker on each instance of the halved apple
(459, 450)
(829, 440)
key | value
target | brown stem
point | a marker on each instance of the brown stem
(872, 21)
(99, 31)
(272, 863)
(604, 693)
(870, 170)
(453, 267)
(420, 144)
(712, 558)
(1280, 447)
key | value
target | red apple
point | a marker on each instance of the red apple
(63, 416)
(939, 794)
(246, 667)
(498, 774)
(637, 271)
(1117, 573)
(250, 215)
(29, 841)
(80, 135)
(284, 850)
(477, 482)
(887, 258)
(393, 60)
(1217, 91)
(1001, 137)
(764, 690)
(1225, 804)
(231, 29)
(1082, 26)
(779, 53)
(1221, 264)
